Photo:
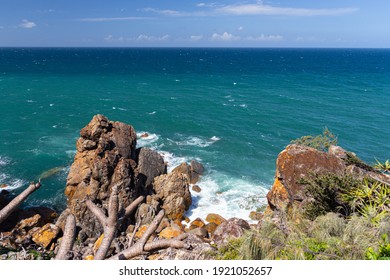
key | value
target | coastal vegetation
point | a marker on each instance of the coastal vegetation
(325, 204)
(340, 215)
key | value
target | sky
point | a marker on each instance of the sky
(190, 23)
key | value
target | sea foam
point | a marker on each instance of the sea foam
(226, 196)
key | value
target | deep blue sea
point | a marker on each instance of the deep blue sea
(232, 109)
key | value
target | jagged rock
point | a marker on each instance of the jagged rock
(197, 223)
(47, 216)
(46, 235)
(196, 188)
(232, 228)
(197, 169)
(173, 190)
(211, 227)
(192, 171)
(170, 232)
(215, 218)
(296, 162)
(200, 231)
(150, 165)
(29, 223)
(184, 169)
(106, 154)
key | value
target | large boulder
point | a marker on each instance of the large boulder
(192, 171)
(297, 162)
(173, 191)
(106, 154)
(150, 165)
(232, 228)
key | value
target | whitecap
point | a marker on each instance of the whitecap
(30, 101)
(51, 104)
(226, 196)
(121, 109)
(172, 160)
(4, 161)
(152, 113)
(146, 139)
(197, 141)
(243, 105)
(11, 184)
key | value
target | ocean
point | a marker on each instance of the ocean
(233, 110)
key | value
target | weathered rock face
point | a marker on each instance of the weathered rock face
(150, 165)
(294, 163)
(192, 171)
(232, 228)
(173, 190)
(106, 153)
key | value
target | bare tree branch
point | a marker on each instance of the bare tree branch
(129, 209)
(7, 210)
(140, 247)
(98, 212)
(68, 238)
(109, 223)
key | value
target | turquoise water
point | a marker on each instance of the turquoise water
(232, 109)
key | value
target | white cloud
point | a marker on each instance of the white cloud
(165, 12)
(226, 37)
(240, 28)
(148, 38)
(105, 19)
(27, 24)
(265, 38)
(263, 9)
(196, 38)
(112, 39)
(208, 5)
(175, 13)
(141, 38)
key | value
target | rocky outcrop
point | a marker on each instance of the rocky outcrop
(106, 154)
(173, 190)
(296, 162)
(192, 171)
(150, 165)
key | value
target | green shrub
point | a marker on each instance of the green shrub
(383, 252)
(320, 142)
(383, 167)
(325, 194)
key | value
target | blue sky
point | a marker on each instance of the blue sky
(188, 23)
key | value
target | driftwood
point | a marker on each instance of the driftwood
(10, 207)
(141, 247)
(68, 238)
